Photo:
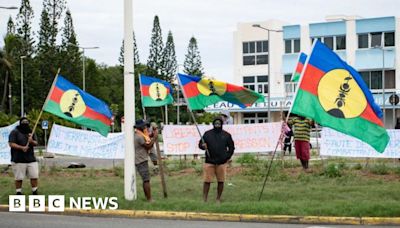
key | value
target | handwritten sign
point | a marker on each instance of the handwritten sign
(248, 138)
(5, 150)
(334, 143)
(69, 141)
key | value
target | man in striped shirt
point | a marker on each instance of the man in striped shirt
(302, 128)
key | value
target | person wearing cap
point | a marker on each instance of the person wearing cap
(226, 117)
(219, 148)
(23, 161)
(143, 144)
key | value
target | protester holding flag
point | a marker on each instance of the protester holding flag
(302, 129)
(23, 160)
(143, 143)
(220, 147)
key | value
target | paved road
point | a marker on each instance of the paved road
(28, 220)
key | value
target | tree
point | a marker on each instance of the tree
(154, 63)
(169, 59)
(136, 59)
(24, 27)
(10, 26)
(71, 56)
(55, 9)
(192, 64)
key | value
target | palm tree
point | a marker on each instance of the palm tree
(5, 67)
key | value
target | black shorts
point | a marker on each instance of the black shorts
(143, 170)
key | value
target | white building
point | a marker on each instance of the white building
(356, 40)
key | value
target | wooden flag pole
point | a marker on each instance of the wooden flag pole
(192, 115)
(161, 165)
(45, 103)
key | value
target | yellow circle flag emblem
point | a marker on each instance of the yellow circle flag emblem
(210, 87)
(340, 95)
(158, 91)
(72, 104)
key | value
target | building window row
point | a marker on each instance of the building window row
(292, 46)
(376, 39)
(290, 87)
(373, 79)
(255, 117)
(255, 52)
(256, 83)
(333, 42)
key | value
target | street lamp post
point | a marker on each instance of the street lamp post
(8, 7)
(269, 67)
(22, 85)
(83, 63)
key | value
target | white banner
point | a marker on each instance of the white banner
(69, 141)
(248, 138)
(334, 143)
(5, 150)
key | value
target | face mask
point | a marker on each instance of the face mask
(24, 128)
(217, 126)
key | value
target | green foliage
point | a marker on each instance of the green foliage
(192, 64)
(333, 170)
(247, 159)
(136, 59)
(206, 117)
(6, 120)
(118, 171)
(380, 169)
(358, 166)
(155, 60)
(169, 63)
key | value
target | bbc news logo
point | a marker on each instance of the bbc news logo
(56, 203)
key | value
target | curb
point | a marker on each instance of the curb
(229, 217)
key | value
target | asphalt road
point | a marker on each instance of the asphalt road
(28, 220)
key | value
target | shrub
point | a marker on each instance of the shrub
(358, 166)
(247, 159)
(333, 170)
(380, 169)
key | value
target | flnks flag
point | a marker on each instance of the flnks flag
(202, 92)
(155, 92)
(335, 95)
(299, 67)
(71, 103)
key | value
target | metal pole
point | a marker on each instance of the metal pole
(166, 115)
(22, 86)
(269, 79)
(383, 86)
(177, 105)
(83, 70)
(129, 104)
(9, 99)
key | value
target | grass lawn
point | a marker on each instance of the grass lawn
(332, 189)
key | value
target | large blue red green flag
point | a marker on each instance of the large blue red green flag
(155, 92)
(71, 103)
(334, 94)
(299, 67)
(202, 92)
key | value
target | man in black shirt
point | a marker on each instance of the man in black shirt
(23, 159)
(220, 148)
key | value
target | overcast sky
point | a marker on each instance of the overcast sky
(212, 22)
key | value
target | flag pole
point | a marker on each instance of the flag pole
(287, 118)
(141, 97)
(191, 114)
(45, 102)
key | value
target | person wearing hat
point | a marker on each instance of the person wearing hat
(23, 161)
(143, 144)
(219, 148)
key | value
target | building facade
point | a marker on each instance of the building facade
(370, 45)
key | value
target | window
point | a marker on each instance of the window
(333, 42)
(290, 87)
(255, 52)
(292, 46)
(389, 39)
(340, 42)
(363, 41)
(255, 117)
(256, 83)
(373, 79)
(375, 39)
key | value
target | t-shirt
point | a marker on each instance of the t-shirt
(301, 128)
(19, 156)
(141, 154)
